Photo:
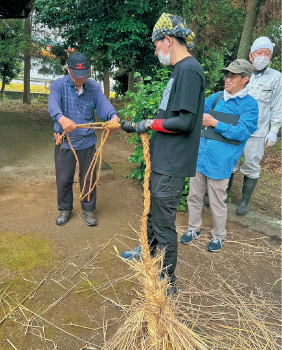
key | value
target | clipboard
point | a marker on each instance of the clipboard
(209, 133)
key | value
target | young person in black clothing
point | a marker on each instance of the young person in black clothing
(175, 139)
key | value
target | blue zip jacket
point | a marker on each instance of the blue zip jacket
(64, 101)
(216, 159)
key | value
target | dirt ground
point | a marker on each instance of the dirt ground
(65, 287)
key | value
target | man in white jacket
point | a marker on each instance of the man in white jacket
(265, 87)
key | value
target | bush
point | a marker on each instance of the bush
(144, 105)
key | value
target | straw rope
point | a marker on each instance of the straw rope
(151, 323)
(107, 128)
(144, 238)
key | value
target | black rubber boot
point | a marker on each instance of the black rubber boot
(230, 183)
(248, 188)
(206, 199)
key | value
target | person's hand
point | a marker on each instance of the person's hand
(209, 120)
(115, 119)
(67, 124)
(270, 139)
(127, 126)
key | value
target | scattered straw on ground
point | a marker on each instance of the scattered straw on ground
(219, 306)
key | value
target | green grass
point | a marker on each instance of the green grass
(23, 253)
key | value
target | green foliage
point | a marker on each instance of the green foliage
(183, 202)
(11, 39)
(273, 31)
(11, 49)
(213, 63)
(144, 105)
(54, 61)
(276, 63)
(121, 82)
(112, 33)
(217, 26)
(11, 69)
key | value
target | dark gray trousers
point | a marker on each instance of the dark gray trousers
(65, 170)
(165, 196)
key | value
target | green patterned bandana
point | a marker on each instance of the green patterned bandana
(172, 25)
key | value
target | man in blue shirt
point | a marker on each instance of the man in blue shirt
(72, 101)
(217, 159)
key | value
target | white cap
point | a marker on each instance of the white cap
(262, 43)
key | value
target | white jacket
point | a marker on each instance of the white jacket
(266, 89)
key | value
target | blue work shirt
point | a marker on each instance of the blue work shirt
(216, 159)
(64, 100)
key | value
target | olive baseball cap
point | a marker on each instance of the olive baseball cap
(239, 66)
(79, 65)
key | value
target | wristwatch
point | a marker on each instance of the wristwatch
(148, 124)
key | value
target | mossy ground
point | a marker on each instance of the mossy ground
(23, 253)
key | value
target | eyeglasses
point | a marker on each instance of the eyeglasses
(155, 43)
(230, 75)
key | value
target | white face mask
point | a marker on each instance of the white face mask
(261, 62)
(165, 60)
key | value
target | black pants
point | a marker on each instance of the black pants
(65, 169)
(165, 196)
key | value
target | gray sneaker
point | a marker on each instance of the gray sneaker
(188, 236)
(171, 290)
(215, 245)
(63, 217)
(90, 218)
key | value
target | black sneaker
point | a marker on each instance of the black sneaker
(206, 200)
(63, 217)
(172, 289)
(90, 218)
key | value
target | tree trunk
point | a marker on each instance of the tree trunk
(107, 82)
(246, 38)
(131, 81)
(3, 85)
(27, 32)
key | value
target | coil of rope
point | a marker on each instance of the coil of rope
(107, 128)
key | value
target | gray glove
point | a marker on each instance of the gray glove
(129, 127)
(140, 127)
